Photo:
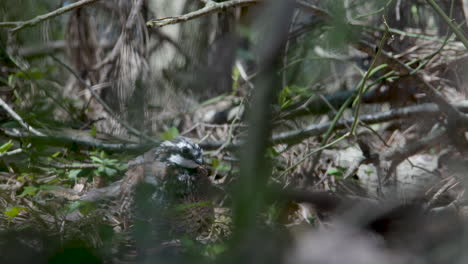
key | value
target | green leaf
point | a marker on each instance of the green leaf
(283, 98)
(10, 124)
(235, 78)
(11, 80)
(171, 133)
(85, 207)
(30, 74)
(96, 159)
(216, 249)
(93, 131)
(110, 172)
(335, 171)
(224, 167)
(5, 147)
(72, 207)
(29, 190)
(215, 162)
(378, 68)
(122, 167)
(73, 174)
(12, 212)
(271, 152)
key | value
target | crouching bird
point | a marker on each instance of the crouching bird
(166, 192)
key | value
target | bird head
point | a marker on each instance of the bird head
(185, 172)
(181, 152)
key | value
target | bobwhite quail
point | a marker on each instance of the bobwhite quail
(167, 195)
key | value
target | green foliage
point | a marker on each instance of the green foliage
(30, 74)
(235, 79)
(29, 191)
(5, 147)
(14, 211)
(340, 32)
(107, 167)
(93, 131)
(73, 174)
(337, 172)
(290, 93)
(85, 207)
(215, 249)
(171, 133)
(271, 153)
(217, 165)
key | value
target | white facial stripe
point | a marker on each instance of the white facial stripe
(183, 144)
(167, 144)
(181, 161)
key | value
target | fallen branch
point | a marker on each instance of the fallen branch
(18, 118)
(62, 139)
(291, 137)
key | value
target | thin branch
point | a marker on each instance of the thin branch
(61, 140)
(74, 165)
(294, 136)
(11, 153)
(32, 22)
(422, 78)
(9, 24)
(449, 22)
(313, 152)
(18, 118)
(210, 7)
(361, 88)
(399, 155)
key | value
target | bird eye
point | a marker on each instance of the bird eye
(185, 150)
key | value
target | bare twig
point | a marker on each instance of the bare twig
(32, 22)
(11, 153)
(399, 155)
(9, 24)
(73, 166)
(52, 47)
(313, 152)
(18, 118)
(210, 7)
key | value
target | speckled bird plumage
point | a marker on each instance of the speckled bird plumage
(166, 192)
